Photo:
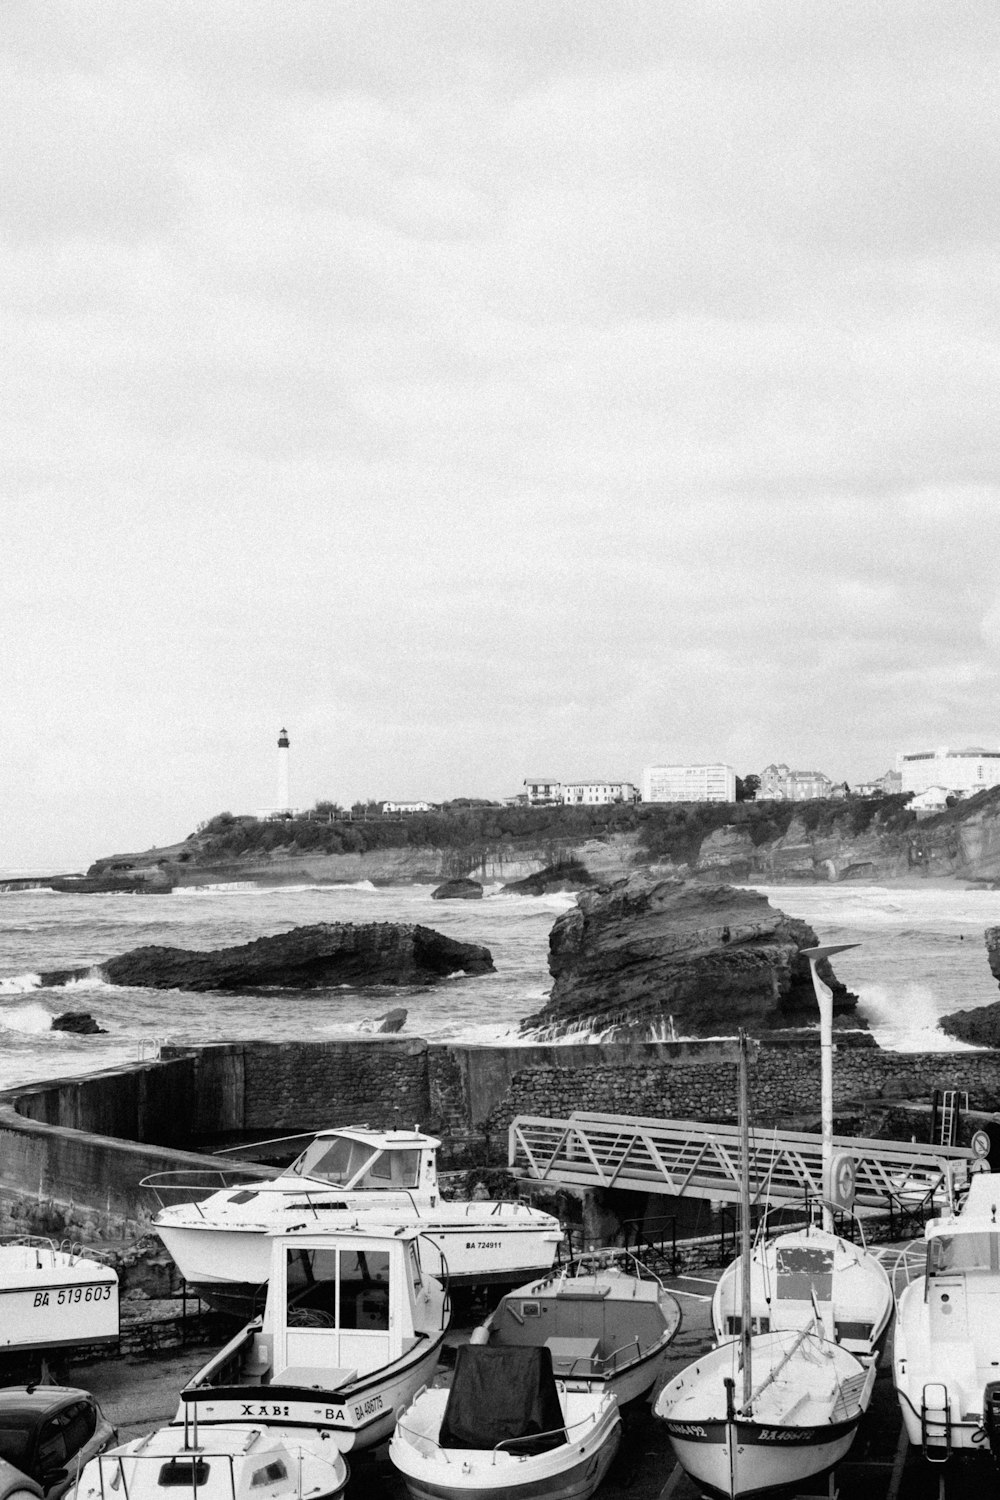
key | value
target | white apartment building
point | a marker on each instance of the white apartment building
(597, 793)
(716, 783)
(542, 791)
(408, 807)
(779, 784)
(966, 771)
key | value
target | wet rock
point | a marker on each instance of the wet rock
(646, 957)
(570, 875)
(307, 958)
(78, 1021)
(458, 890)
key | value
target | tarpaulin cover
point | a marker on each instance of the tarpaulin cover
(498, 1394)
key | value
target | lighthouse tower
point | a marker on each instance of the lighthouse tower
(283, 800)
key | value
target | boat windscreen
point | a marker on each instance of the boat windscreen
(336, 1159)
(963, 1252)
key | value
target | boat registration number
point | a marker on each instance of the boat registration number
(74, 1294)
(482, 1244)
(367, 1408)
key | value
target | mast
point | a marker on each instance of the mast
(744, 1126)
(824, 998)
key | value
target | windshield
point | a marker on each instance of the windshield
(963, 1252)
(337, 1159)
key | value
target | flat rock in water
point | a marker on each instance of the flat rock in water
(648, 957)
(307, 958)
(78, 1021)
(570, 875)
(458, 890)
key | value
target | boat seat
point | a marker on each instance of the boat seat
(573, 1356)
(315, 1377)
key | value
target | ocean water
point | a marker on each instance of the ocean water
(921, 954)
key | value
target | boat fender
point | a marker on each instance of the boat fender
(991, 1417)
(480, 1335)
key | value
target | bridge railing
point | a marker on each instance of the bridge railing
(688, 1158)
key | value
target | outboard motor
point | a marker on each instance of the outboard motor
(991, 1417)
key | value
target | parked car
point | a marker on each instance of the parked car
(47, 1433)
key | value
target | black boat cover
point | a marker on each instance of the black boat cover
(500, 1394)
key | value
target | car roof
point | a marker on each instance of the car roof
(39, 1398)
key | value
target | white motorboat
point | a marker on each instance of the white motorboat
(505, 1430)
(801, 1396)
(215, 1225)
(809, 1272)
(946, 1345)
(605, 1318)
(236, 1463)
(352, 1327)
(55, 1296)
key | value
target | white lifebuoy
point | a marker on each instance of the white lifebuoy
(843, 1181)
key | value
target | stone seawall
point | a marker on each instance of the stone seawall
(91, 1140)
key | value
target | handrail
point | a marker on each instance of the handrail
(589, 1420)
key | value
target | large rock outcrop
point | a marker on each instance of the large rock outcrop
(647, 957)
(981, 1025)
(307, 958)
(458, 889)
(569, 875)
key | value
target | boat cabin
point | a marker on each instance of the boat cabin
(339, 1305)
(588, 1329)
(962, 1287)
(360, 1160)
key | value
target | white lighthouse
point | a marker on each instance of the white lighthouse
(284, 804)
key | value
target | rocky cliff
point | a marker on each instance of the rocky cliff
(647, 957)
(306, 958)
(858, 839)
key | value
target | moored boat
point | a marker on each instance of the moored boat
(805, 1273)
(53, 1296)
(946, 1344)
(506, 1430)
(351, 1328)
(605, 1318)
(215, 1224)
(242, 1462)
(764, 1411)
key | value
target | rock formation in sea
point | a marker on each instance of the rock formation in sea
(981, 1025)
(78, 1021)
(568, 875)
(458, 889)
(306, 958)
(645, 956)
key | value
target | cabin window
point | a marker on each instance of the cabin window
(803, 1272)
(398, 1169)
(186, 1471)
(963, 1252)
(338, 1289)
(416, 1275)
(269, 1474)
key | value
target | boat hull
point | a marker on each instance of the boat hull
(571, 1471)
(228, 1266)
(742, 1459)
(576, 1483)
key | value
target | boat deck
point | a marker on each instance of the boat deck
(139, 1393)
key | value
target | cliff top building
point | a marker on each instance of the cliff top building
(779, 784)
(966, 771)
(713, 783)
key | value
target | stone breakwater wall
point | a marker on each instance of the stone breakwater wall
(91, 1140)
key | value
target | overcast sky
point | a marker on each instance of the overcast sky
(488, 389)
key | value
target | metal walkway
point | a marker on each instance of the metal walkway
(687, 1158)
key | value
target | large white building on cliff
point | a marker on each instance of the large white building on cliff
(967, 771)
(715, 783)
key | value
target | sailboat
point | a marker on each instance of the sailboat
(812, 1265)
(800, 1398)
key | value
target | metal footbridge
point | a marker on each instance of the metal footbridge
(687, 1158)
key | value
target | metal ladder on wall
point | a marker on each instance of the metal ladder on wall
(952, 1102)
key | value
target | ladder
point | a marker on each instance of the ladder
(952, 1102)
(935, 1422)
